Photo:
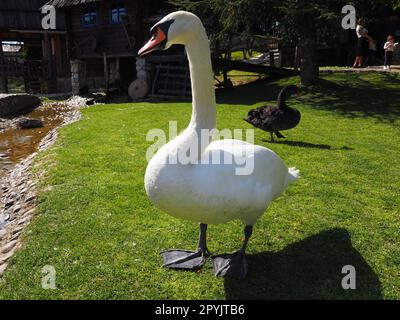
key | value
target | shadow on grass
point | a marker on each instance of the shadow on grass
(250, 93)
(309, 269)
(302, 144)
(353, 95)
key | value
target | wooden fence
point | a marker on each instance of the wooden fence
(11, 67)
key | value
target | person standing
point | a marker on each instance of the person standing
(389, 49)
(362, 44)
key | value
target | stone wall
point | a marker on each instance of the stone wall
(142, 70)
(78, 79)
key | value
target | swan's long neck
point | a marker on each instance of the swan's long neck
(202, 78)
(282, 99)
(204, 105)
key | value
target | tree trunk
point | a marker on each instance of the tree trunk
(309, 68)
(297, 59)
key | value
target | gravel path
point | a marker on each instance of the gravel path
(394, 69)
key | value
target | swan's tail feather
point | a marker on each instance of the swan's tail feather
(293, 176)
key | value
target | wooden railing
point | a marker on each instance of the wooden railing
(17, 67)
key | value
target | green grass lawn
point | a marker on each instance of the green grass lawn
(241, 77)
(98, 229)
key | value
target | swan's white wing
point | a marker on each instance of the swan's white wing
(243, 194)
(214, 192)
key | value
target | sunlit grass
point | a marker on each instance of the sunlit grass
(97, 228)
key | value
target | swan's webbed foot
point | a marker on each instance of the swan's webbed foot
(188, 260)
(184, 260)
(232, 265)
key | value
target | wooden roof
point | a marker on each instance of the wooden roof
(69, 3)
(24, 15)
(21, 5)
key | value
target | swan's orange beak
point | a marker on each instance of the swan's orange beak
(154, 43)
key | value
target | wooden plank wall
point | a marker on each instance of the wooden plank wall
(92, 42)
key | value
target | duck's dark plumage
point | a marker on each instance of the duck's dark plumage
(277, 118)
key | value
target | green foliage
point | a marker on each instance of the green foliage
(396, 4)
(227, 17)
(374, 9)
(318, 20)
(96, 226)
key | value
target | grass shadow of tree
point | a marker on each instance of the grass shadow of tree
(357, 97)
(302, 144)
(351, 96)
(250, 93)
(309, 269)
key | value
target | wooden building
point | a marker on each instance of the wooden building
(104, 37)
(42, 56)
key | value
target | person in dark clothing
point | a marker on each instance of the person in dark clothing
(362, 44)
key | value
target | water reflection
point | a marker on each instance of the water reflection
(17, 144)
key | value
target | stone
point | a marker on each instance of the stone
(9, 203)
(90, 102)
(24, 190)
(24, 220)
(18, 230)
(30, 197)
(99, 97)
(15, 104)
(15, 236)
(27, 123)
(138, 89)
(5, 257)
(3, 268)
(8, 247)
(30, 212)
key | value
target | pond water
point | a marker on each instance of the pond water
(16, 144)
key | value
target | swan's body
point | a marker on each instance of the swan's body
(214, 194)
(274, 119)
(197, 191)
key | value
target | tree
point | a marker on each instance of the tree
(309, 24)
(296, 21)
(302, 23)
(225, 17)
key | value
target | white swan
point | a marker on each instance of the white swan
(201, 192)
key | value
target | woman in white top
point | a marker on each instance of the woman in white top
(362, 44)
